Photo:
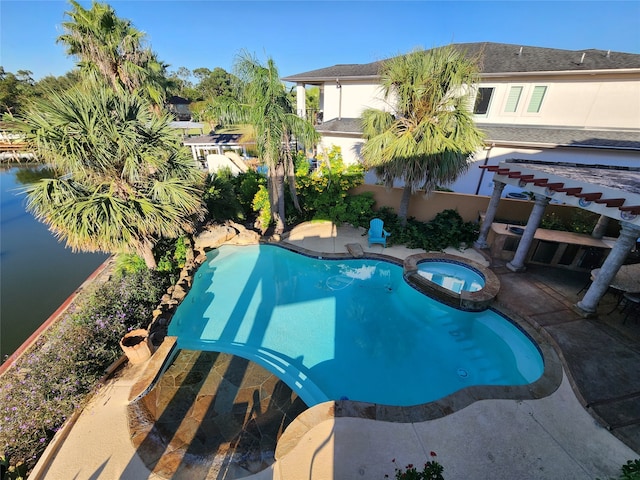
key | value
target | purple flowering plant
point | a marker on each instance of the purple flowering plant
(56, 376)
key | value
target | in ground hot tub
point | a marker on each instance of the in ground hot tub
(456, 281)
(452, 275)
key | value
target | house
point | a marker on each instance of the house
(202, 146)
(179, 107)
(534, 104)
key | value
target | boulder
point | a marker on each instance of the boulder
(179, 293)
(214, 236)
(246, 237)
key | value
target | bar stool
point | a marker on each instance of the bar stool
(631, 305)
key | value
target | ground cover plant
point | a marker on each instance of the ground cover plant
(447, 229)
(55, 377)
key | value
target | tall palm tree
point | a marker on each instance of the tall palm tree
(109, 48)
(121, 180)
(429, 134)
(262, 102)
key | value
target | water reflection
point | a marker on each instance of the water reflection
(37, 272)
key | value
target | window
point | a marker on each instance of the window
(513, 99)
(482, 101)
(536, 99)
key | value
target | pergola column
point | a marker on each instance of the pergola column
(517, 264)
(301, 101)
(601, 227)
(627, 239)
(490, 215)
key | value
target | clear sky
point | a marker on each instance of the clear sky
(305, 35)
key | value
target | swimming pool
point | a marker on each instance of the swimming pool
(452, 276)
(353, 329)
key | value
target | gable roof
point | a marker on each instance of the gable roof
(214, 139)
(522, 135)
(498, 58)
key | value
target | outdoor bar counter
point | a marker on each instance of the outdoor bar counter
(574, 251)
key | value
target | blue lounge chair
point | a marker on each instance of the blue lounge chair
(377, 233)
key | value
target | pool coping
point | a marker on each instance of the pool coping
(465, 300)
(548, 382)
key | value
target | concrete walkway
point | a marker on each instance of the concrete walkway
(551, 438)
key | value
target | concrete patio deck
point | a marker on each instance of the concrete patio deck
(550, 438)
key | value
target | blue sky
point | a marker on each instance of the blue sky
(308, 34)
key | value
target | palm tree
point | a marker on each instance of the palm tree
(262, 102)
(122, 179)
(429, 134)
(109, 48)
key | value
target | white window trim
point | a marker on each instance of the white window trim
(518, 102)
(530, 97)
(491, 100)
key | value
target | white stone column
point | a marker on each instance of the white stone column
(301, 100)
(489, 215)
(517, 264)
(601, 227)
(626, 241)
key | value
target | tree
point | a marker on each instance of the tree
(56, 84)
(15, 90)
(110, 49)
(429, 135)
(10, 89)
(122, 179)
(262, 102)
(181, 84)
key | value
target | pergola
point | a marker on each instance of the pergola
(611, 192)
(216, 143)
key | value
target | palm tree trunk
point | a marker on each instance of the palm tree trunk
(277, 197)
(404, 205)
(146, 250)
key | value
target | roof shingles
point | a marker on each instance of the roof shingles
(521, 134)
(500, 58)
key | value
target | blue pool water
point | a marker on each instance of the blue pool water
(452, 276)
(352, 329)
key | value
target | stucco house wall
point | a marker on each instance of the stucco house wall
(350, 100)
(590, 112)
(612, 102)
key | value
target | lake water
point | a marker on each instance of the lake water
(37, 273)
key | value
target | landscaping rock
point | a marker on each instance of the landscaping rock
(179, 293)
(214, 236)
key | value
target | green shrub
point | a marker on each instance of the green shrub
(247, 185)
(432, 470)
(359, 209)
(447, 229)
(129, 263)
(230, 198)
(551, 221)
(631, 470)
(262, 206)
(9, 471)
(220, 197)
(583, 221)
(323, 193)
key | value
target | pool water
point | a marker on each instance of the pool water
(452, 276)
(335, 329)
